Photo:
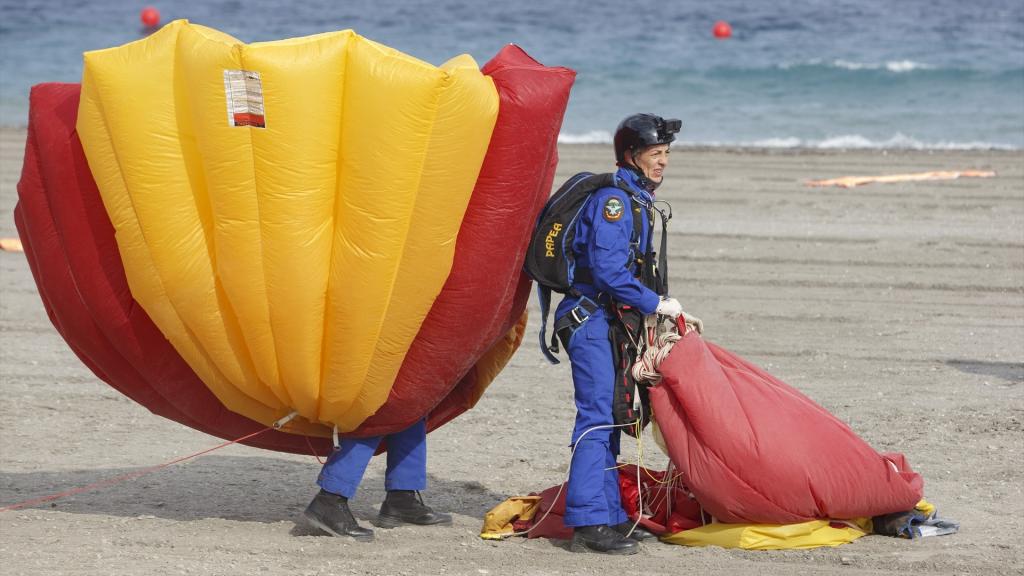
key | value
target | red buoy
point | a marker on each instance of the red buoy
(150, 17)
(722, 30)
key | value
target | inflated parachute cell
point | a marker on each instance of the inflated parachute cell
(290, 265)
(71, 251)
(340, 260)
(485, 294)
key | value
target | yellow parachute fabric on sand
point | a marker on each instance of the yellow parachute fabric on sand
(812, 534)
(925, 507)
(498, 522)
(286, 211)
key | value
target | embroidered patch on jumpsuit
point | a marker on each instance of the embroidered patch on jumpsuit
(613, 209)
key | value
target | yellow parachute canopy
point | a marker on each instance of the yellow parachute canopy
(286, 211)
(810, 534)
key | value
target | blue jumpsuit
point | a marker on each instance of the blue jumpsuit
(407, 462)
(603, 244)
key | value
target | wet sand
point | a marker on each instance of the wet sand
(898, 307)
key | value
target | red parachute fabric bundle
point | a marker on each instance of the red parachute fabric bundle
(70, 246)
(752, 449)
(667, 505)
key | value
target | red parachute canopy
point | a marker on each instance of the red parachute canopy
(69, 242)
(746, 449)
(753, 449)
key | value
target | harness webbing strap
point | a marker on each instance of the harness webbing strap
(662, 275)
(583, 275)
(544, 299)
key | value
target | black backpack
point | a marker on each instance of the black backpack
(549, 259)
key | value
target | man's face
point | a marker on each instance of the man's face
(652, 162)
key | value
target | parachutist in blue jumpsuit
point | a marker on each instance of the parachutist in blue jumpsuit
(604, 246)
(405, 476)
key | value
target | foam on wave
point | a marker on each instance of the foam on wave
(842, 141)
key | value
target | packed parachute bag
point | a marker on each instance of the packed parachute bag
(754, 463)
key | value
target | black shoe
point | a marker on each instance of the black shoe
(330, 513)
(639, 534)
(602, 538)
(407, 507)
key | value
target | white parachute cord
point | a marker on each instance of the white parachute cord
(285, 420)
(639, 486)
(661, 339)
(565, 481)
(652, 350)
(669, 491)
(652, 353)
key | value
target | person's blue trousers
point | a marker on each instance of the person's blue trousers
(592, 496)
(407, 462)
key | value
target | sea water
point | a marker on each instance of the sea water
(816, 73)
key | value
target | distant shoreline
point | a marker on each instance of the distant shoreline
(11, 131)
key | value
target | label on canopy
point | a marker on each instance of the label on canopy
(243, 92)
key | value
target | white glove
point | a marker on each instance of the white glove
(693, 322)
(669, 307)
(673, 309)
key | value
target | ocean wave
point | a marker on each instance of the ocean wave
(897, 141)
(896, 66)
(845, 141)
(891, 66)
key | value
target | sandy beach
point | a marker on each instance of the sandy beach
(898, 307)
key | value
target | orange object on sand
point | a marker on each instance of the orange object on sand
(851, 181)
(11, 245)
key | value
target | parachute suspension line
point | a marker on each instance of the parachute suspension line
(561, 487)
(668, 493)
(670, 480)
(670, 476)
(285, 420)
(638, 434)
(661, 336)
(671, 483)
(639, 487)
(660, 340)
(313, 451)
(129, 476)
(289, 418)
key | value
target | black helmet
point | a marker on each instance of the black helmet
(639, 131)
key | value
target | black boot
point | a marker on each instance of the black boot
(407, 507)
(602, 538)
(329, 512)
(639, 534)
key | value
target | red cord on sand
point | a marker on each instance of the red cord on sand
(126, 477)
